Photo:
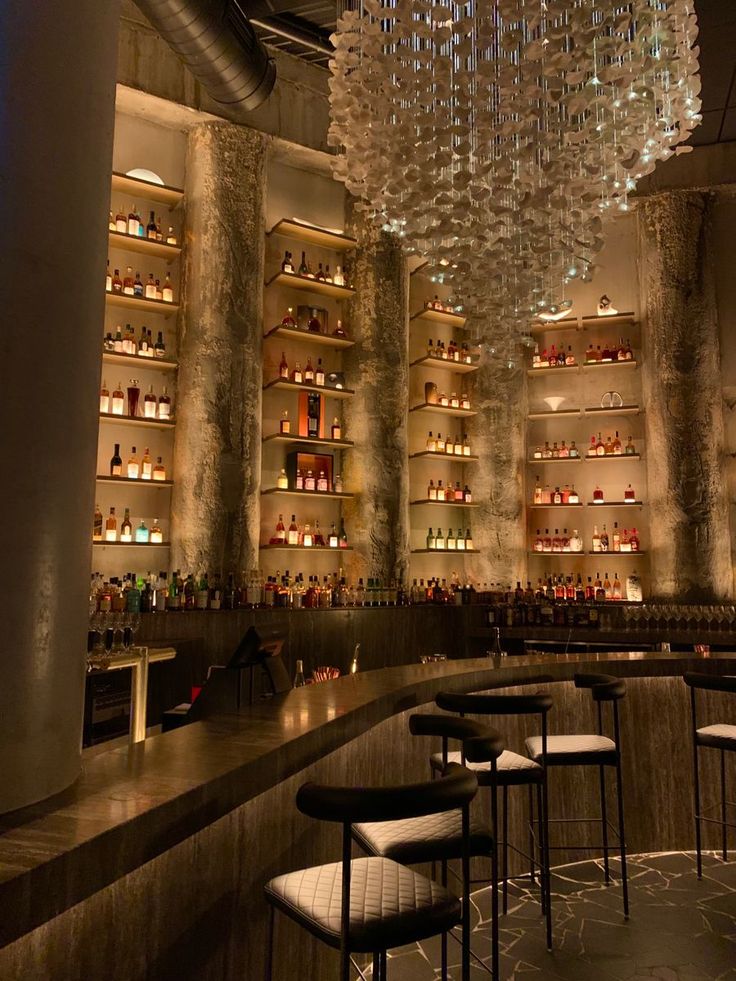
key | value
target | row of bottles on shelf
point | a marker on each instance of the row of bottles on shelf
(618, 541)
(132, 224)
(305, 270)
(560, 601)
(459, 353)
(433, 396)
(312, 426)
(437, 304)
(307, 536)
(568, 495)
(450, 542)
(308, 375)
(135, 468)
(107, 530)
(154, 406)
(309, 480)
(438, 492)
(124, 342)
(612, 446)
(311, 324)
(130, 285)
(449, 446)
(555, 358)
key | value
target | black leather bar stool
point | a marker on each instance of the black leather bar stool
(440, 837)
(512, 770)
(592, 750)
(720, 736)
(369, 905)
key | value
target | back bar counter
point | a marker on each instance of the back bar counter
(171, 840)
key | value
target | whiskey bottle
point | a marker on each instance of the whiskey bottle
(333, 540)
(116, 463)
(159, 231)
(159, 471)
(440, 491)
(168, 290)
(450, 541)
(285, 424)
(158, 294)
(108, 277)
(310, 483)
(138, 286)
(339, 278)
(150, 291)
(279, 537)
(134, 467)
(343, 534)
(157, 536)
(303, 268)
(320, 274)
(104, 397)
(307, 537)
(287, 265)
(431, 540)
(617, 448)
(283, 367)
(598, 495)
(431, 443)
(319, 538)
(337, 484)
(150, 403)
(97, 525)
(600, 446)
(431, 491)
(164, 405)
(604, 540)
(319, 374)
(121, 222)
(151, 227)
(146, 465)
(118, 401)
(292, 535)
(466, 446)
(160, 347)
(308, 372)
(629, 495)
(133, 222)
(440, 443)
(328, 274)
(296, 376)
(322, 482)
(336, 429)
(630, 448)
(468, 541)
(439, 541)
(339, 330)
(128, 282)
(615, 538)
(111, 527)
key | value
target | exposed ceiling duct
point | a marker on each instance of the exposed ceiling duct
(217, 43)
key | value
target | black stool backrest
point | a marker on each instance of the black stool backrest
(452, 727)
(706, 682)
(604, 688)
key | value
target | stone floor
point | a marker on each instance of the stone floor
(680, 929)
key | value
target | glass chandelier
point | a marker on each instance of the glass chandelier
(493, 136)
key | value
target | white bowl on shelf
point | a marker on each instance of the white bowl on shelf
(554, 401)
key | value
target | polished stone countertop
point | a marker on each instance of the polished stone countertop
(131, 804)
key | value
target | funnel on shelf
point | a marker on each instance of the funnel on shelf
(554, 401)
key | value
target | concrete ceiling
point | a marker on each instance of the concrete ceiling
(717, 20)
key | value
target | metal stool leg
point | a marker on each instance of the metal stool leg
(540, 846)
(443, 941)
(494, 897)
(604, 824)
(545, 853)
(698, 838)
(505, 834)
(622, 836)
(269, 943)
(532, 874)
(384, 966)
(724, 829)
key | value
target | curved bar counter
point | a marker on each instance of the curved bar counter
(152, 865)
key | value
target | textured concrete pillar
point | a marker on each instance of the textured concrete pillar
(688, 504)
(217, 452)
(55, 163)
(377, 520)
(497, 436)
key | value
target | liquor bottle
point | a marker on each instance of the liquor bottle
(608, 449)
(279, 537)
(320, 274)
(440, 443)
(546, 541)
(307, 537)
(463, 493)
(314, 325)
(319, 374)
(339, 278)
(600, 593)
(296, 376)
(319, 538)
(160, 347)
(134, 467)
(283, 367)
(450, 541)
(287, 265)
(440, 491)
(431, 540)
(108, 278)
(303, 268)
(164, 405)
(569, 357)
(604, 540)
(308, 372)
(343, 534)
(573, 496)
(126, 528)
(117, 283)
(142, 535)
(121, 222)
(615, 538)
(617, 447)
(574, 452)
(138, 286)
(116, 463)
(592, 448)
(202, 595)
(133, 222)
(439, 541)
(538, 545)
(128, 281)
(468, 541)
(630, 448)
(104, 397)
(598, 495)
(118, 401)
(310, 483)
(339, 331)
(151, 227)
(159, 231)
(159, 295)
(146, 466)
(284, 423)
(322, 482)
(97, 525)
(168, 290)
(333, 540)
(629, 495)
(466, 446)
(292, 536)
(607, 588)
(111, 527)
(156, 535)
(431, 491)
(634, 540)
(616, 588)
(596, 544)
(150, 290)
(600, 446)
(159, 471)
(336, 429)
(150, 403)
(299, 481)
(576, 542)
(299, 680)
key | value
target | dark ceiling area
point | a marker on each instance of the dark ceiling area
(313, 21)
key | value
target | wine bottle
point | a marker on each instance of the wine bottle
(116, 463)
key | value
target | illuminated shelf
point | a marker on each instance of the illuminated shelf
(106, 479)
(616, 319)
(134, 187)
(308, 336)
(328, 495)
(557, 459)
(443, 504)
(583, 323)
(554, 370)
(613, 456)
(622, 410)
(133, 544)
(564, 413)
(135, 360)
(135, 243)
(289, 386)
(296, 282)
(615, 504)
(450, 457)
(303, 231)
(137, 421)
(338, 444)
(444, 551)
(552, 507)
(445, 364)
(546, 326)
(440, 317)
(306, 548)
(609, 364)
(580, 555)
(140, 303)
(443, 410)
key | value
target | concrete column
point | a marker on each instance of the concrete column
(55, 164)
(688, 502)
(377, 520)
(217, 450)
(497, 436)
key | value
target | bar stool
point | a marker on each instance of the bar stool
(441, 837)
(369, 905)
(512, 770)
(719, 736)
(592, 750)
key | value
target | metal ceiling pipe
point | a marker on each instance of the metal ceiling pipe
(217, 43)
(294, 34)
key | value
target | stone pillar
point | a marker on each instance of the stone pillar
(688, 503)
(217, 452)
(55, 164)
(377, 519)
(497, 436)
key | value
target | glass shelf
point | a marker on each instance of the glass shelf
(135, 360)
(338, 444)
(444, 364)
(133, 544)
(308, 336)
(303, 231)
(327, 495)
(289, 386)
(135, 243)
(141, 304)
(443, 410)
(106, 479)
(443, 504)
(293, 281)
(137, 421)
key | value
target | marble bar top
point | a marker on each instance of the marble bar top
(132, 804)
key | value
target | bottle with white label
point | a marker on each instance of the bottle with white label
(164, 405)
(117, 404)
(104, 397)
(168, 290)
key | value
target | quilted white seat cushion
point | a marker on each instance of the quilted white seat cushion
(721, 736)
(583, 748)
(390, 905)
(511, 767)
(430, 838)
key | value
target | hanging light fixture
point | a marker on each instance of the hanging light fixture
(493, 136)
